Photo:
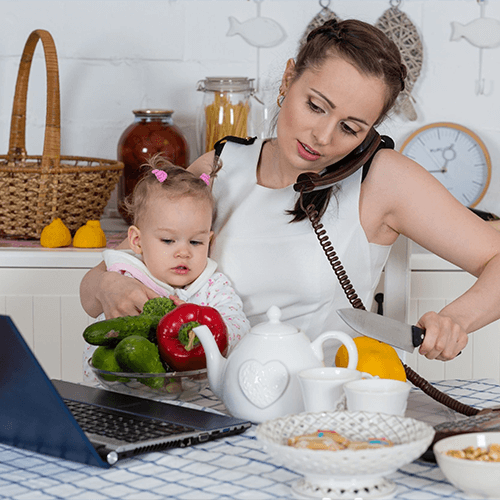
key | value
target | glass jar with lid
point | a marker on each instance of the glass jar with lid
(152, 131)
(226, 110)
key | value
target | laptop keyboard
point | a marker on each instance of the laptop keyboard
(112, 424)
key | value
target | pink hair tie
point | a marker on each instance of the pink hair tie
(205, 178)
(161, 175)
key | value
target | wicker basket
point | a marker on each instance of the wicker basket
(36, 189)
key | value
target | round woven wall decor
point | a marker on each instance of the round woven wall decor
(398, 27)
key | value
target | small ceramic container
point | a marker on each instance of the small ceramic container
(377, 396)
(323, 388)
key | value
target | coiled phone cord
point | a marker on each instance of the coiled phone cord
(356, 302)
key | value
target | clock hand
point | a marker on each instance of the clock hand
(434, 159)
(444, 168)
(448, 158)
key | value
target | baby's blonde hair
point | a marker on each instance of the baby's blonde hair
(178, 183)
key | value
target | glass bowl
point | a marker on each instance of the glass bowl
(166, 386)
(345, 473)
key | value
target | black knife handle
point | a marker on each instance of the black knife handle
(418, 335)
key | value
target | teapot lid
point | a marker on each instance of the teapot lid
(274, 326)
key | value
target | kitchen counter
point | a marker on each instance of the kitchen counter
(227, 469)
(30, 254)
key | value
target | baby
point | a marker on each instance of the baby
(172, 213)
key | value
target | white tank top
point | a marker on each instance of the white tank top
(271, 261)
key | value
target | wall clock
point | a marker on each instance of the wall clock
(455, 156)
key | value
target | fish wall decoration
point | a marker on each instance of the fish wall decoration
(258, 31)
(483, 32)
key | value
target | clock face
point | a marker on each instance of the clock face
(455, 156)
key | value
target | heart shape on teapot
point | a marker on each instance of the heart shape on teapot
(263, 384)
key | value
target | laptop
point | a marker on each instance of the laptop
(52, 417)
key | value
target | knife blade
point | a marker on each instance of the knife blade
(382, 328)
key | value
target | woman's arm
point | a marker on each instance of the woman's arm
(112, 293)
(401, 197)
(203, 165)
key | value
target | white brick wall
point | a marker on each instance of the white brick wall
(120, 55)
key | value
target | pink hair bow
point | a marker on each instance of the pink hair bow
(205, 178)
(161, 175)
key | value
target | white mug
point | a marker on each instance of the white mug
(323, 388)
(377, 396)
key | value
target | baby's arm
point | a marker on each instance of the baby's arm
(221, 296)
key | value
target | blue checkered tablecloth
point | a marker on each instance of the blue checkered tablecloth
(231, 468)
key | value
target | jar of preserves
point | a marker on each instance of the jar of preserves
(226, 110)
(153, 131)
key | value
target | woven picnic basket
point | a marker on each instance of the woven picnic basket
(34, 190)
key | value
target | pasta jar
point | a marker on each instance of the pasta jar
(226, 109)
(153, 131)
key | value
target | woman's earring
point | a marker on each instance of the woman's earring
(280, 98)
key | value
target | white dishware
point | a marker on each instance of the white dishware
(258, 381)
(377, 396)
(475, 477)
(345, 474)
(323, 388)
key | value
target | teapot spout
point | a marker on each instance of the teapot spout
(216, 363)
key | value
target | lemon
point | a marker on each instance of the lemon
(374, 357)
(90, 235)
(56, 234)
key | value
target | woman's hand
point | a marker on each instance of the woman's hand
(122, 296)
(444, 338)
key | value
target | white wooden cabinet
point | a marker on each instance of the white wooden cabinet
(39, 290)
(433, 284)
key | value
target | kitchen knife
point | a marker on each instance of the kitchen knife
(382, 328)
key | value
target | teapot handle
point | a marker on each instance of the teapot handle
(317, 346)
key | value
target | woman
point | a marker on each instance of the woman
(343, 82)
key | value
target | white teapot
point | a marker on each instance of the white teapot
(258, 381)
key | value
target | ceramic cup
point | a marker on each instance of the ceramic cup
(377, 396)
(322, 388)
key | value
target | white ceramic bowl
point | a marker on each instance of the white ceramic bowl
(171, 386)
(346, 473)
(472, 476)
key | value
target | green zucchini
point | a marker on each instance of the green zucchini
(111, 331)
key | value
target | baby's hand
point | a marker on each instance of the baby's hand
(176, 300)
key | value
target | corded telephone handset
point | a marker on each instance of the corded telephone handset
(312, 181)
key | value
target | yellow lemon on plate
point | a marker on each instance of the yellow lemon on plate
(55, 235)
(375, 358)
(90, 235)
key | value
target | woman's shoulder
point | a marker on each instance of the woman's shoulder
(203, 164)
(391, 165)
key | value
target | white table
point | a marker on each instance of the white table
(231, 468)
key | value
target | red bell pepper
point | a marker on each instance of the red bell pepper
(178, 345)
